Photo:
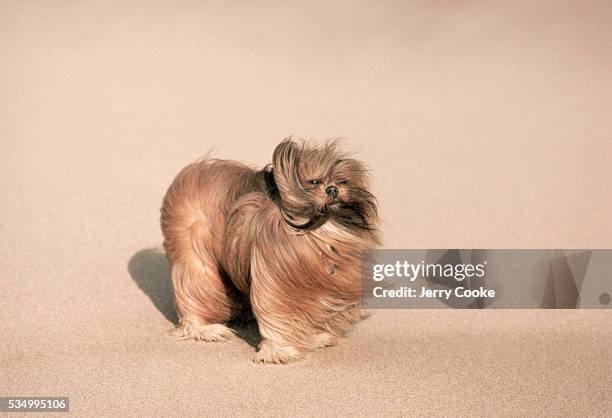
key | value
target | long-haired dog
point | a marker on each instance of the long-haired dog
(284, 242)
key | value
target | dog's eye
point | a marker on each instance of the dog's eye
(314, 181)
(342, 181)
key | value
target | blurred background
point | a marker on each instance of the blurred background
(486, 125)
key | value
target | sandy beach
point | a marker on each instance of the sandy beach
(485, 125)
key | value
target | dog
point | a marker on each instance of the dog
(283, 242)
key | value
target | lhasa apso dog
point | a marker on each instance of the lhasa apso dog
(284, 242)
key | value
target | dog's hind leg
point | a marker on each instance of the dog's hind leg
(204, 301)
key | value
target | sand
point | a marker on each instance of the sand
(486, 125)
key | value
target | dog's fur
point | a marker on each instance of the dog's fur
(272, 241)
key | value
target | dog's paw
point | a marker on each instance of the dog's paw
(203, 332)
(324, 339)
(271, 353)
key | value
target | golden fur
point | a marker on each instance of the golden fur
(284, 242)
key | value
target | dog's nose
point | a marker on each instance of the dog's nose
(332, 191)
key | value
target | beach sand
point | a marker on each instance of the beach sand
(485, 124)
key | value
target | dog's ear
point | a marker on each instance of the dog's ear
(285, 168)
(285, 160)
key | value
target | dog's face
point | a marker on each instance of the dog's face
(317, 183)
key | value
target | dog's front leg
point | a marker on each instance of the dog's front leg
(277, 329)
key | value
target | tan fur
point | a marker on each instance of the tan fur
(273, 241)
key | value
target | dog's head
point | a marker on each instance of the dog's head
(320, 182)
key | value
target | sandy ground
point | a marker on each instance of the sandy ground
(486, 124)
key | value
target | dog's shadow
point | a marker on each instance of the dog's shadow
(150, 270)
